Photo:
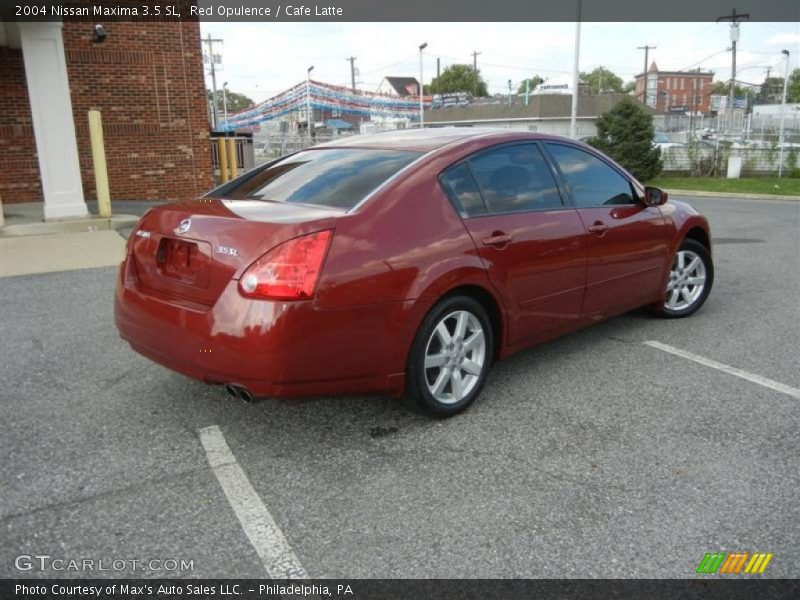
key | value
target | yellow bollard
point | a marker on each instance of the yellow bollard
(234, 168)
(222, 158)
(99, 160)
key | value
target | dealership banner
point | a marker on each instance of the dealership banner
(396, 589)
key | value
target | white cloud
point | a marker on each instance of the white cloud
(783, 39)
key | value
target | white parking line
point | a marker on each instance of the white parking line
(774, 385)
(264, 534)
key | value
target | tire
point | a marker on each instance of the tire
(687, 290)
(436, 390)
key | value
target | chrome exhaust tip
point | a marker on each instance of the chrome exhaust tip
(232, 391)
(246, 395)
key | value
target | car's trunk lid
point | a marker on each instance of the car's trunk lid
(194, 249)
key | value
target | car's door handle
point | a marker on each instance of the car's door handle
(497, 239)
(598, 228)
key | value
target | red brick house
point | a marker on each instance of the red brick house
(147, 80)
(675, 91)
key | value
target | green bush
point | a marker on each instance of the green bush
(792, 167)
(626, 133)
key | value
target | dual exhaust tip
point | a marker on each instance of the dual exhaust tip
(236, 391)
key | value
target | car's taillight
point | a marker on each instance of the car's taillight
(289, 271)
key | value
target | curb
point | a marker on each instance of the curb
(71, 226)
(702, 194)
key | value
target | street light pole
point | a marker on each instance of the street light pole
(421, 108)
(783, 112)
(574, 111)
(309, 116)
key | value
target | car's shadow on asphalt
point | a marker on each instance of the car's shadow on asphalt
(369, 418)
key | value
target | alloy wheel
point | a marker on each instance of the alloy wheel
(455, 357)
(687, 279)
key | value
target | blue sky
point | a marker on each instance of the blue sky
(263, 59)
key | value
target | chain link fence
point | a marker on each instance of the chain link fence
(272, 146)
(697, 146)
(733, 126)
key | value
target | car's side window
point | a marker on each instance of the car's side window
(516, 178)
(462, 189)
(592, 181)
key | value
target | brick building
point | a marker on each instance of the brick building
(147, 81)
(675, 91)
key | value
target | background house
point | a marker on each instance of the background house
(675, 91)
(399, 86)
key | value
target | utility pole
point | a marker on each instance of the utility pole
(765, 88)
(646, 49)
(438, 60)
(352, 61)
(475, 69)
(212, 59)
(225, 103)
(734, 18)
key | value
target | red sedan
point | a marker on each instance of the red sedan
(403, 263)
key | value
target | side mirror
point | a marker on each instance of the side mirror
(654, 196)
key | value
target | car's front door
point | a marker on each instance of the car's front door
(532, 243)
(627, 240)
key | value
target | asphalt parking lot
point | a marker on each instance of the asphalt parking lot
(595, 455)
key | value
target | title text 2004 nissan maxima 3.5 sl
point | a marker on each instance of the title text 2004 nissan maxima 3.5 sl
(403, 263)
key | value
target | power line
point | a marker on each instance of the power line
(400, 62)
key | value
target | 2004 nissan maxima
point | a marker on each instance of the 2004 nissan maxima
(403, 263)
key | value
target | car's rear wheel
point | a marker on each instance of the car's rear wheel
(450, 357)
(689, 282)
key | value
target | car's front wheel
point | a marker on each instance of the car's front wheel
(450, 357)
(689, 282)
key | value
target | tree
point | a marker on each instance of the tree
(770, 91)
(602, 80)
(459, 78)
(235, 102)
(626, 133)
(629, 87)
(723, 88)
(793, 87)
(534, 81)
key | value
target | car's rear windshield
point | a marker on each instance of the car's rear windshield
(336, 177)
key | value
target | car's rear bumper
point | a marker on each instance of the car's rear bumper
(274, 349)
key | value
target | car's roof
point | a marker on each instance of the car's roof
(422, 140)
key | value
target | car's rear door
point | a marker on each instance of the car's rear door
(627, 240)
(532, 243)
